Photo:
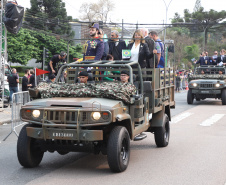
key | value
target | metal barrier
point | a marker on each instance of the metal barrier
(18, 99)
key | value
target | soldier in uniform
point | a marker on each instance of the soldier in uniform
(93, 48)
(83, 77)
(124, 76)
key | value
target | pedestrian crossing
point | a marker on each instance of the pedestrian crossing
(189, 117)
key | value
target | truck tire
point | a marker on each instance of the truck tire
(118, 149)
(162, 133)
(28, 152)
(223, 97)
(190, 97)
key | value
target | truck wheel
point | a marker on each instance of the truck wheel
(28, 152)
(190, 97)
(223, 97)
(118, 149)
(162, 133)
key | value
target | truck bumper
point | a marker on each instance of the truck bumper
(205, 91)
(65, 134)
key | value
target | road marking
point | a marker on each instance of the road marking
(181, 117)
(212, 120)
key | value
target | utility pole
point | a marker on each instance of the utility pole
(3, 52)
(167, 6)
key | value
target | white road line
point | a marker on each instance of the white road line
(212, 120)
(180, 117)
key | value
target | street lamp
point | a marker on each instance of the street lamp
(167, 6)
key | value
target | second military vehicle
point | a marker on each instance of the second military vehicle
(207, 82)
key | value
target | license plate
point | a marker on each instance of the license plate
(63, 134)
(205, 92)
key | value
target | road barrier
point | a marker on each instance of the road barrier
(18, 99)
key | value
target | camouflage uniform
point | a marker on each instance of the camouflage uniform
(117, 91)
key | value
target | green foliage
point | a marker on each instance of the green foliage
(22, 47)
(28, 44)
(192, 52)
(202, 20)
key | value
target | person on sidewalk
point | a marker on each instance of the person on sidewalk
(32, 78)
(25, 83)
(178, 82)
(13, 80)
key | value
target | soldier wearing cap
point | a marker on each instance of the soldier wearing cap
(93, 48)
(124, 76)
(83, 77)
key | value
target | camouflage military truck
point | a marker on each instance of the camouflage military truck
(98, 116)
(207, 82)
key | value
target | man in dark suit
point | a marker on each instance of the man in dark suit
(201, 60)
(116, 45)
(151, 45)
(221, 60)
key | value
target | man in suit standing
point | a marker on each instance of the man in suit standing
(116, 45)
(151, 45)
(221, 60)
(201, 60)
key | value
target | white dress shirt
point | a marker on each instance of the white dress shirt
(135, 53)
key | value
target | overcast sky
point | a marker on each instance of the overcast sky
(142, 11)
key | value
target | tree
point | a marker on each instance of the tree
(28, 44)
(181, 40)
(49, 15)
(96, 11)
(202, 20)
(197, 5)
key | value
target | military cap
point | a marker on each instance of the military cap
(94, 25)
(125, 72)
(52, 76)
(83, 73)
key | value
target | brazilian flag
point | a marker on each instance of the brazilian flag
(126, 53)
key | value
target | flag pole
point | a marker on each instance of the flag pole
(35, 78)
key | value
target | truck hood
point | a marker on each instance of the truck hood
(86, 103)
(210, 81)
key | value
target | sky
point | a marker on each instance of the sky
(142, 11)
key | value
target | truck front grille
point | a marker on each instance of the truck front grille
(206, 85)
(61, 116)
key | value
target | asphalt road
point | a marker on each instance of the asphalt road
(195, 155)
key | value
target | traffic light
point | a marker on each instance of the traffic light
(46, 53)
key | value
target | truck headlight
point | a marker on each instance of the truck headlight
(96, 115)
(36, 113)
(194, 84)
(218, 85)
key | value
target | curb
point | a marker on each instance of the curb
(5, 122)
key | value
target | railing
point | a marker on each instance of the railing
(18, 99)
